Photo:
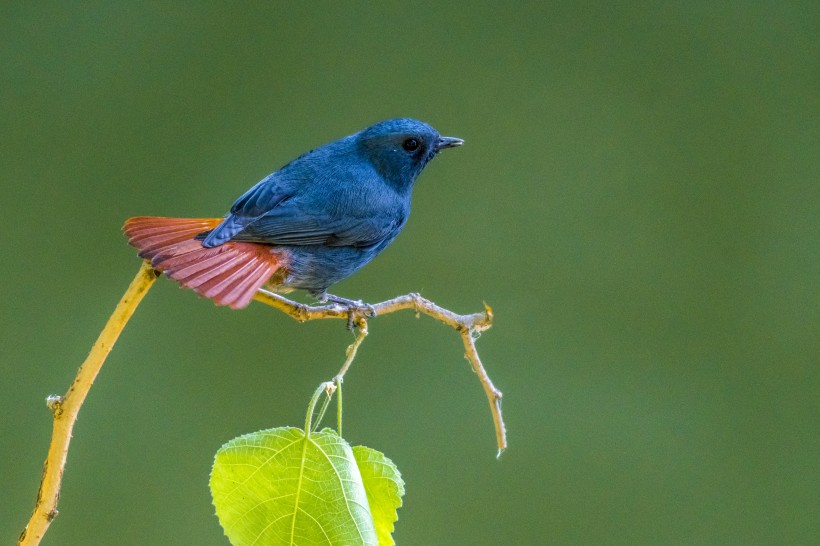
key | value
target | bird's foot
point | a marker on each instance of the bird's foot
(355, 308)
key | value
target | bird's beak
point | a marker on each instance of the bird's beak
(448, 142)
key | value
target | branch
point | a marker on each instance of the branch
(65, 408)
(468, 326)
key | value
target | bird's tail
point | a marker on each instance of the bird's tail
(230, 274)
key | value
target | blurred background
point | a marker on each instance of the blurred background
(637, 200)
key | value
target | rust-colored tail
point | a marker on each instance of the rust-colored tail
(230, 274)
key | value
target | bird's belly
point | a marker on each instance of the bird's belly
(315, 268)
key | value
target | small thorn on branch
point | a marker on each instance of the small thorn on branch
(54, 402)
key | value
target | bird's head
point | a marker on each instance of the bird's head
(400, 148)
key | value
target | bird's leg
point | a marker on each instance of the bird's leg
(354, 307)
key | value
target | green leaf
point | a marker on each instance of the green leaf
(278, 487)
(384, 487)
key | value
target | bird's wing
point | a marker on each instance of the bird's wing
(265, 195)
(257, 201)
(288, 224)
(303, 206)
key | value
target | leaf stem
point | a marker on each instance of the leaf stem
(327, 387)
(321, 415)
(338, 383)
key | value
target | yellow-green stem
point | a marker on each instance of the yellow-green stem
(66, 408)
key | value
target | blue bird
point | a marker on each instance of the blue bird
(308, 225)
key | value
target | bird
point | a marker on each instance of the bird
(306, 226)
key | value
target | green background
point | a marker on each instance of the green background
(637, 200)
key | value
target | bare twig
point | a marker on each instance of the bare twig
(468, 326)
(65, 408)
(350, 353)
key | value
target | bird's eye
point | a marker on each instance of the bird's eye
(411, 144)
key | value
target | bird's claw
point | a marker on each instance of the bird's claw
(355, 308)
